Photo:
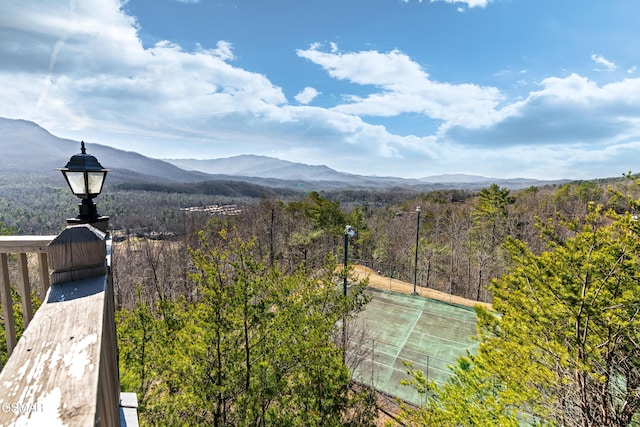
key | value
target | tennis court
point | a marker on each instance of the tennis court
(396, 327)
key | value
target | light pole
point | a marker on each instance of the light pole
(348, 232)
(85, 177)
(415, 268)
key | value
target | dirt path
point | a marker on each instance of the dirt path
(395, 285)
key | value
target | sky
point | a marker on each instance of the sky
(546, 89)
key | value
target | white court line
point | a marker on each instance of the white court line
(430, 367)
(422, 311)
(409, 334)
(464, 344)
(395, 355)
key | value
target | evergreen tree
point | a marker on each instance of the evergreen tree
(489, 231)
(256, 348)
(564, 349)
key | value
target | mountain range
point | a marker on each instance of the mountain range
(25, 144)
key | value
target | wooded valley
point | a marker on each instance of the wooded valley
(230, 319)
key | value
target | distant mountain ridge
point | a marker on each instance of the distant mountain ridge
(27, 148)
(261, 167)
(249, 165)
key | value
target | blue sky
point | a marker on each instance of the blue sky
(501, 88)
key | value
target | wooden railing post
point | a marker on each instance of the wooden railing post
(79, 252)
(7, 303)
(64, 369)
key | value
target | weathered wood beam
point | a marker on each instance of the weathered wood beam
(17, 244)
(64, 369)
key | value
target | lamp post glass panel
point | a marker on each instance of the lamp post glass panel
(85, 177)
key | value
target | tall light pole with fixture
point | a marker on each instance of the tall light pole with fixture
(348, 232)
(415, 262)
(415, 265)
(85, 177)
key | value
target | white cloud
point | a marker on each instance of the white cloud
(307, 95)
(601, 60)
(89, 77)
(223, 50)
(89, 70)
(469, 3)
(566, 111)
(405, 88)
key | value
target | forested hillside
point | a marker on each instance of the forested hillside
(563, 347)
(229, 316)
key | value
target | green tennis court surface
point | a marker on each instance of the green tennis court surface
(397, 327)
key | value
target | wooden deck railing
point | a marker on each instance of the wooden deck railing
(64, 368)
(22, 247)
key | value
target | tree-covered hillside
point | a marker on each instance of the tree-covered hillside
(235, 312)
(564, 346)
(250, 344)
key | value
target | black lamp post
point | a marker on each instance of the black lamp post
(415, 267)
(85, 177)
